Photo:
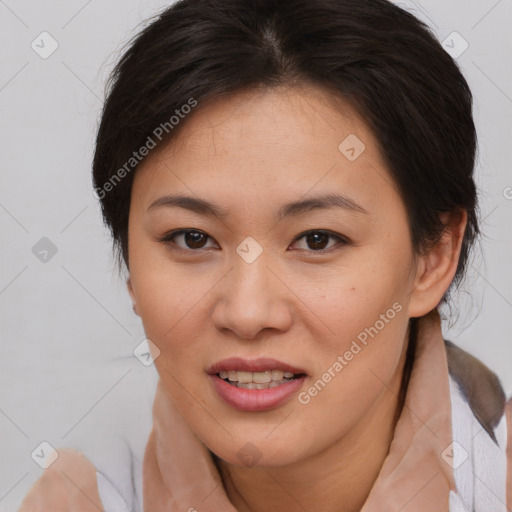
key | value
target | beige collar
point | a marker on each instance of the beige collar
(415, 475)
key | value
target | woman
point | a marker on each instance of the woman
(290, 186)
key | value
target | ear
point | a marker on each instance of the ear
(435, 271)
(132, 295)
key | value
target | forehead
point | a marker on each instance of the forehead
(274, 118)
(292, 139)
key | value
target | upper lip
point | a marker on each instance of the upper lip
(252, 365)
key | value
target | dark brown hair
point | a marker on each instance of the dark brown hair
(381, 59)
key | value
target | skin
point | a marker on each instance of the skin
(298, 302)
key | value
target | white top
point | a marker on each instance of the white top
(116, 443)
(110, 497)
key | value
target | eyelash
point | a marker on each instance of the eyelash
(168, 239)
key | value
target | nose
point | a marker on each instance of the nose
(252, 298)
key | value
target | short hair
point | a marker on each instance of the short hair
(382, 60)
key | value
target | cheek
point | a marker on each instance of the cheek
(168, 295)
(365, 309)
(359, 293)
(173, 317)
(354, 378)
(368, 325)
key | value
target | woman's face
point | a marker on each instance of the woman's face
(296, 257)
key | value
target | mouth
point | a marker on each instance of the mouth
(255, 385)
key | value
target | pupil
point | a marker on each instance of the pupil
(315, 243)
(193, 239)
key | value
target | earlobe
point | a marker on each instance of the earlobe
(436, 270)
(132, 295)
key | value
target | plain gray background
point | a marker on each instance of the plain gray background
(68, 375)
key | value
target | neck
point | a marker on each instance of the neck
(344, 473)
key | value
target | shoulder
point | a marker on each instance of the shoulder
(111, 498)
(479, 385)
(70, 483)
(482, 433)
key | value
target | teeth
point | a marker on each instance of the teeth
(277, 375)
(262, 377)
(244, 377)
(253, 385)
(259, 378)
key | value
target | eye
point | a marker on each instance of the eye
(191, 238)
(318, 240)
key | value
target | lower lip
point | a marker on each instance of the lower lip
(256, 399)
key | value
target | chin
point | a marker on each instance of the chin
(254, 451)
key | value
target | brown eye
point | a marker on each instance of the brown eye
(194, 239)
(186, 239)
(318, 240)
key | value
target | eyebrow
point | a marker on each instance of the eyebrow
(204, 207)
